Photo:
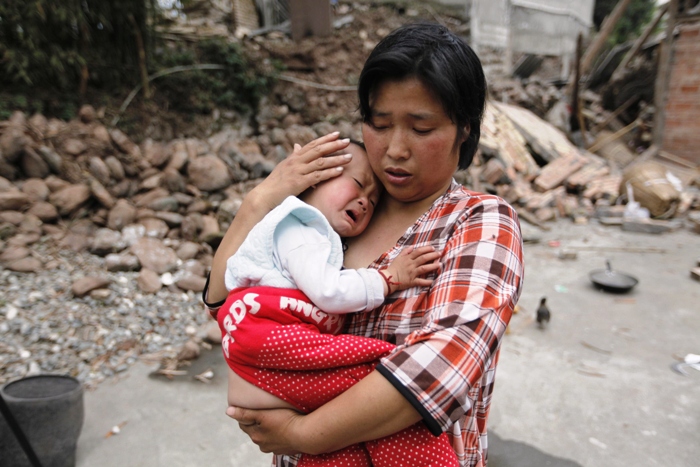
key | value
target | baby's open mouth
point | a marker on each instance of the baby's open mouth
(351, 215)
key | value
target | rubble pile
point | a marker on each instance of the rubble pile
(533, 165)
(119, 235)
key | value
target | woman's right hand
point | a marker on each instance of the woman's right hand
(304, 168)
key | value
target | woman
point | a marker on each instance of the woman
(422, 93)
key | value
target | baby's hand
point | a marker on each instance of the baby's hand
(406, 270)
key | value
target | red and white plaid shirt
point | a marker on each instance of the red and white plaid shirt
(449, 335)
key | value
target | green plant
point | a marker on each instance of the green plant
(56, 44)
(239, 86)
(637, 14)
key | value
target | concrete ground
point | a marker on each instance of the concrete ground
(594, 388)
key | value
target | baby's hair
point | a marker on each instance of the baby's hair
(357, 143)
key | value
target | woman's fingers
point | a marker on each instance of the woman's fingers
(322, 146)
(244, 417)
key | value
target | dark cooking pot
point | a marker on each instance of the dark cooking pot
(612, 281)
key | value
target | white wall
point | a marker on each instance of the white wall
(545, 27)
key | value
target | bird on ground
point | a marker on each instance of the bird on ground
(543, 313)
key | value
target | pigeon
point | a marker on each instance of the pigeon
(543, 313)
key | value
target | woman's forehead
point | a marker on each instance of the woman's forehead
(410, 96)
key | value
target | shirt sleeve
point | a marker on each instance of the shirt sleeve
(440, 367)
(304, 253)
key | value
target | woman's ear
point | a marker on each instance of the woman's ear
(465, 132)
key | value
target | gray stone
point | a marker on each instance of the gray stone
(69, 199)
(31, 224)
(36, 189)
(38, 123)
(6, 185)
(52, 159)
(191, 225)
(195, 267)
(74, 147)
(173, 219)
(13, 217)
(33, 165)
(101, 194)
(208, 173)
(116, 169)
(155, 153)
(149, 281)
(14, 253)
(166, 203)
(154, 255)
(124, 144)
(14, 201)
(87, 113)
(173, 180)
(55, 184)
(191, 282)
(100, 170)
(187, 250)
(28, 264)
(121, 215)
(13, 142)
(122, 262)
(144, 199)
(155, 228)
(133, 232)
(151, 182)
(85, 285)
(107, 241)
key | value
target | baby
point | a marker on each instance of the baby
(288, 293)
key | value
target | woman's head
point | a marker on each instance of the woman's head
(445, 65)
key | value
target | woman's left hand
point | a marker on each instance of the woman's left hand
(271, 429)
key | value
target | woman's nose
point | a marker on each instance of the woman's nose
(397, 148)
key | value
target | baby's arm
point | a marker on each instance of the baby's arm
(409, 268)
(350, 290)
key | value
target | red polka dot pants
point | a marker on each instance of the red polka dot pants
(413, 447)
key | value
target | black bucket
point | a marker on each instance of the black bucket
(49, 411)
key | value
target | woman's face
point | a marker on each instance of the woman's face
(411, 141)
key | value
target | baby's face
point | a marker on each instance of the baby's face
(348, 200)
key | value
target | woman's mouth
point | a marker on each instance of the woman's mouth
(396, 175)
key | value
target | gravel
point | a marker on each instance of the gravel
(45, 329)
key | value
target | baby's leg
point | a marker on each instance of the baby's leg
(414, 446)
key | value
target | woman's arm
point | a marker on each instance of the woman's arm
(371, 409)
(305, 167)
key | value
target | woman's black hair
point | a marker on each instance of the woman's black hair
(444, 63)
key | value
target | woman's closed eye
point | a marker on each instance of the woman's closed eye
(423, 131)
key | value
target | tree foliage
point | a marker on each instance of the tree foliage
(61, 44)
(239, 86)
(637, 14)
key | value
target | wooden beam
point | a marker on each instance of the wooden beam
(662, 75)
(617, 74)
(605, 29)
(614, 136)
